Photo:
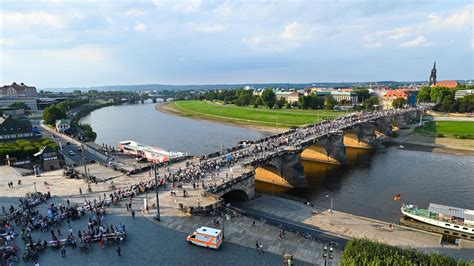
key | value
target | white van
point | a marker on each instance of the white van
(206, 237)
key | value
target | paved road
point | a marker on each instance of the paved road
(147, 244)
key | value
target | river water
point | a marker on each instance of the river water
(365, 187)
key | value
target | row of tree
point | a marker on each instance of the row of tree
(25, 148)
(268, 98)
(445, 101)
(60, 110)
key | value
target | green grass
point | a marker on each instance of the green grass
(455, 129)
(250, 115)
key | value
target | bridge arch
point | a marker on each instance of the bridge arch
(236, 195)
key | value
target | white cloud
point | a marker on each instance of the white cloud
(418, 41)
(80, 53)
(398, 33)
(188, 6)
(210, 28)
(7, 42)
(140, 26)
(135, 13)
(455, 20)
(373, 45)
(223, 9)
(30, 19)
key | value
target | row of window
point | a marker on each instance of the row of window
(16, 136)
(457, 226)
(456, 234)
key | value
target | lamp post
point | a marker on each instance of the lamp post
(157, 217)
(330, 209)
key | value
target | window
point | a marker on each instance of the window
(447, 224)
(465, 228)
(456, 226)
(446, 232)
(455, 234)
(464, 235)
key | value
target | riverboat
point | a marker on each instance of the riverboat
(457, 220)
(151, 153)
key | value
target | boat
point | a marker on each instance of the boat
(455, 219)
(151, 153)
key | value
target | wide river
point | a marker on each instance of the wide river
(365, 187)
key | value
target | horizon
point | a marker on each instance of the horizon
(65, 45)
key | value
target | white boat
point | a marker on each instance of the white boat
(455, 219)
(151, 153)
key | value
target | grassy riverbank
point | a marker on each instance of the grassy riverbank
(233, 114)
(452, 129)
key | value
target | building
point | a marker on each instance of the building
(14, 93)
(49, 159)
(12, 129)
(294, 97)
(447, 84)
(63, 125)
(462, 93)
(432, 80)
(390, 96)
(339, 95)
(13, 112)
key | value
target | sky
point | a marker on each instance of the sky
(60, 43)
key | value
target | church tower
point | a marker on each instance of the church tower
(433, 76)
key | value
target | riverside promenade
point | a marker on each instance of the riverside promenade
(239, 230)
(352, 226)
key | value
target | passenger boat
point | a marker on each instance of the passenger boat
(151, 153)
(455, 219)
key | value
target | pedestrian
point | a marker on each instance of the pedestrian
(37, 264)
(133, 214)
(80, 191)
(257, 246)
(63, 252)
(253, 223)
(59, 232)
(67, 201)
(119, 251)
(261, 247)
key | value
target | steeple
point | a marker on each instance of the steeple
(432, 81)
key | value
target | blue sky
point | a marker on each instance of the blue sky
(61, 43)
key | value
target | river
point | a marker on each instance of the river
(365, 187)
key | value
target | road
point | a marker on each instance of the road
(74, 147)
(147, 244)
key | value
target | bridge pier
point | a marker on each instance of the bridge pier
(384, 126)
(361, 136)
(330, 150)
(285, 170)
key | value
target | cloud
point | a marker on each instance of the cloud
(140, 26)
(135, 13)
(7, 42)
(418, 41)
(80, 53)
(455, 20)
(188, 6)
(32, 19)
(210, 28)
(223, 9)
(398, 33)
(373, 45)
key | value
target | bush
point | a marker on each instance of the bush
(366, 252)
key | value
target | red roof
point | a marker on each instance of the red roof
(447, 83)
(397, 94)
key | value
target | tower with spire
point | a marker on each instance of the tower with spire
(433, 75)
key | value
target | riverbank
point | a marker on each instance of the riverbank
(170, 108)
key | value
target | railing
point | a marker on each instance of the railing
(230, 183)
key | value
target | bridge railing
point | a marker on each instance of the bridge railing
(230, 183)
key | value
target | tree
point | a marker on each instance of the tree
(268, 97)
(329, 102)
(399, 102)
(53, 113)
(21, 105)
(362, 94)
(424, 95)
(369, 103)
(280, 103)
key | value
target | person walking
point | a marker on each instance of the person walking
(119, 251)
(257, 246)
(63, 251)
(133, 214)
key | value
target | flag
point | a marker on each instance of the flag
(397, 197)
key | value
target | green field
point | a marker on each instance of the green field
(250, 115)
(456, 129)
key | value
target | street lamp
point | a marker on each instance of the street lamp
(330, 209)
(157, 217)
